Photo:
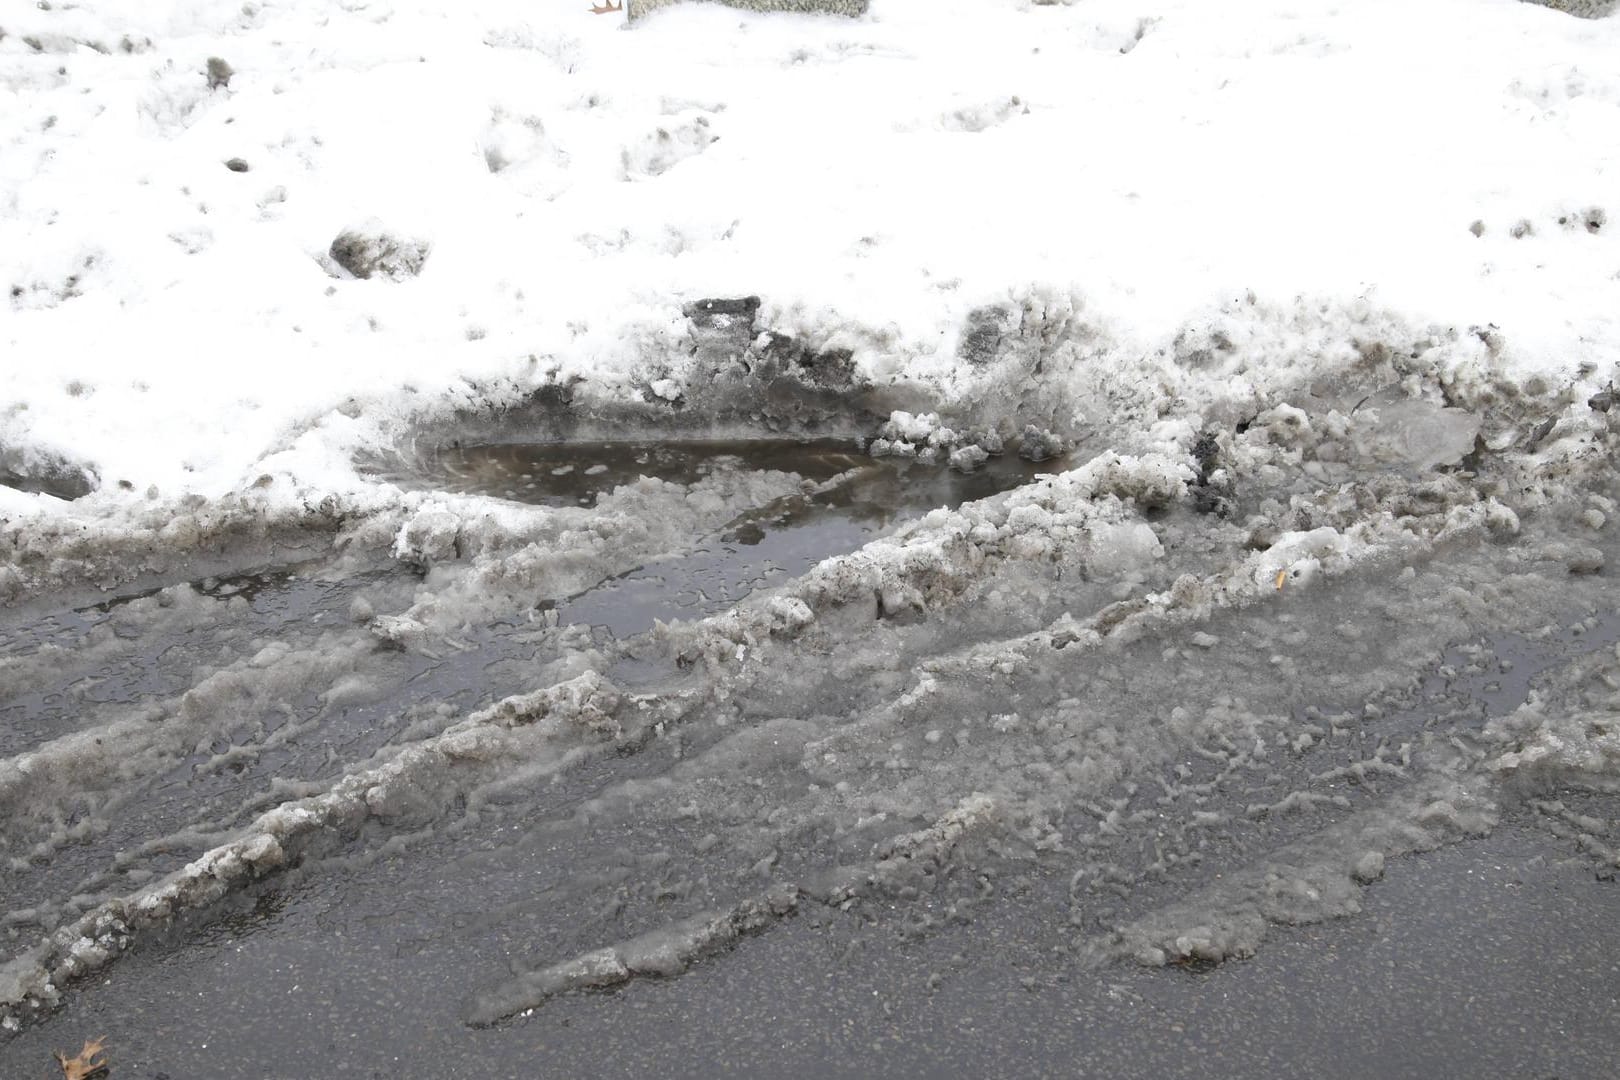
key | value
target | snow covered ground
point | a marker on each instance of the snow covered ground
(174, 327)
(1302, 317)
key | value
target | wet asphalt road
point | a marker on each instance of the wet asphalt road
(1491, 958)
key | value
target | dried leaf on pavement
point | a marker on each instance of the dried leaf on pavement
(85, 1065)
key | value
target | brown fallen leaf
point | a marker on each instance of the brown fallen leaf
(84, 1066)
(603, 9)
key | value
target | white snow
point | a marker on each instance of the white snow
(172, 324)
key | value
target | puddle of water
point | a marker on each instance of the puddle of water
(575, 473)
(247, 584)
(712, 577)
(856, 499)
(276, 599)
(768, 547)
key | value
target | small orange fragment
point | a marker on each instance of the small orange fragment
(1282, 576)
(84, 1066)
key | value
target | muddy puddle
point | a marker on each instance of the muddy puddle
(576, 473)
(848, 499)
(860, 501)
(147, 643)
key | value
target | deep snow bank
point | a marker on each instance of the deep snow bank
(936, 193)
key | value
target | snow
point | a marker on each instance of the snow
(1307, 312)
(175, 327)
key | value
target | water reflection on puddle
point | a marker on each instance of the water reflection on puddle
(575, 473)
(768, 548)
(851, 498)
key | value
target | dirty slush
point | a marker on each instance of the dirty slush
(816, 736)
